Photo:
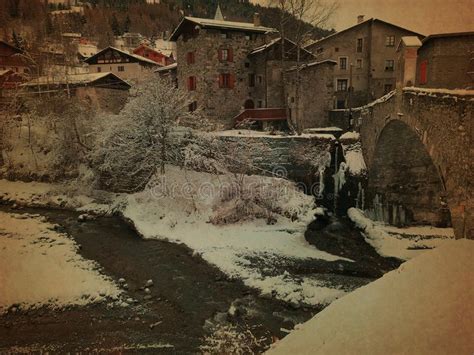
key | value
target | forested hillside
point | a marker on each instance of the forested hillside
(102, 19)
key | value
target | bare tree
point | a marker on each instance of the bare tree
(313, 12)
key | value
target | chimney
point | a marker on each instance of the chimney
(360, 18)
(256, 19)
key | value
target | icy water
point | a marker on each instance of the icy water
(190, 299)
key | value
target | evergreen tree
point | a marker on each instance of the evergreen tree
(126, 25)
(115, 26)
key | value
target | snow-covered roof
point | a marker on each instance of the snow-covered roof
(411, 41)
(136, 56)
(4, 72)
(223, 24)
(312, 64)
(74, 79)
(361, 24)
(166, 68)
(444, 35)
(273, 42)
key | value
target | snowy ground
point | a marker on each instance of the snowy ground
(424, 307)
(232, 247)
(171, 214)
(39, 266)
(402, 243)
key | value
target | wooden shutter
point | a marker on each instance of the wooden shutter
(423, 72)
(231, 81)
(230, 55)
(221, 80)
(189, 83)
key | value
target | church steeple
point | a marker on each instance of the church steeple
(218, 15)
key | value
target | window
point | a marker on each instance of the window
(342, 84)
(259, 79)
(190, 59)
(336, 49)
(225, 55)
(423, 72)
(192, 106)
(359, 63)
(340, 104)
(260, 103)
(225, 34)
(343, 63)
(389, 65)
(387, 88)
(121, 68)
(99, 69)
(360, 42)
(390, 41)
(247, 64)
(192, 83)
(226, 81)
(251, 80)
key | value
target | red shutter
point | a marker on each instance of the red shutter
(231, 81)
(219, 54)
(221, 80)
(423, 72)
(189, 83)
(230, 55)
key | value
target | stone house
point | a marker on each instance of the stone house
(446, 61)
(266, 80)
(366, 60)
(316, 93)
(214, 66)
(121, 63)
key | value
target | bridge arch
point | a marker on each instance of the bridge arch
(426, 131)
(405, 185)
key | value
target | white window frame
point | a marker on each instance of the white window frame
(339, 62)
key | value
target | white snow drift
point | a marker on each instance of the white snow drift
(424, 307)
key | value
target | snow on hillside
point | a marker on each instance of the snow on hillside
(424, 307)
(402, 243)
(39, 266)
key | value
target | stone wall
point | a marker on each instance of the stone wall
(442, 123)
(449, 60)
(315, 94)
(283, 154)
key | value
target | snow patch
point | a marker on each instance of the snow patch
(390, 242)
(39, 266)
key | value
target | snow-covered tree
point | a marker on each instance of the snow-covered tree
(133, 145)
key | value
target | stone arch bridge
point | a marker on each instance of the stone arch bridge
(417, 145)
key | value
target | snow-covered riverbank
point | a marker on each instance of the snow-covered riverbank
(172, 215)
(40, 266)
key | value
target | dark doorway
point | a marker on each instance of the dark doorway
(249, 104)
